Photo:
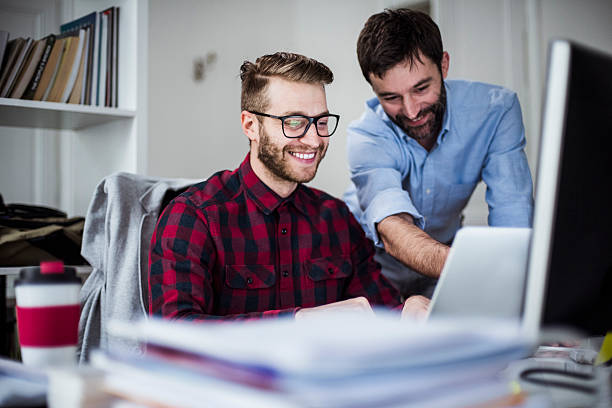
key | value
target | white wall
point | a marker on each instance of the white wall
(588, 21)
(194, 127)
(505, 42)
(484, 39)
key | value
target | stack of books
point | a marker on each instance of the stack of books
(339, 361)
(79, 65)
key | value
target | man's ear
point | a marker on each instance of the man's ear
(445, 64)
(250, 125)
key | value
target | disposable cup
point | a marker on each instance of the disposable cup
(48, 308)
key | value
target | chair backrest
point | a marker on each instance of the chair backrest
(119, 224)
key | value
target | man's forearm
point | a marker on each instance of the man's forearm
(411, 245)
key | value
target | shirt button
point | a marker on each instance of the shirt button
(249, 281)
(285, 273)
(330, 270)
(428, 191)
(284, 231)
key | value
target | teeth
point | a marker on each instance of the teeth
(305, 156)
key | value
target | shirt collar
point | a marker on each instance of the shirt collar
(263, 196)
(447, 116)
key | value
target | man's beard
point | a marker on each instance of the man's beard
(273, 158)
(430, 129)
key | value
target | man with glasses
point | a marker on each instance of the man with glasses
(421, 147)
(255, 242)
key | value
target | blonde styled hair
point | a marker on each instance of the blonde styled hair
(285, 65)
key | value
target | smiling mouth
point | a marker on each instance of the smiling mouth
(303, 156)
(419, 120)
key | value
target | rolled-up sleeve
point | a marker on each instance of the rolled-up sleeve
(506, 173)
(377, 168)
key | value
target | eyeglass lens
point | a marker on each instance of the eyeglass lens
(297, 126)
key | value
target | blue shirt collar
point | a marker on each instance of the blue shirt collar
(447, 116)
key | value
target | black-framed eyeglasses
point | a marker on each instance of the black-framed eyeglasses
(296, 126)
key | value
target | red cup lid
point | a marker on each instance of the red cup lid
(47, 273)
(47, 267)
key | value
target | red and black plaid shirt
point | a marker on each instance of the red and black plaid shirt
(230, 247)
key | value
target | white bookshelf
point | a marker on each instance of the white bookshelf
(90, 142)
(53, 115)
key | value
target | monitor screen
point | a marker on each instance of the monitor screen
(569, 282)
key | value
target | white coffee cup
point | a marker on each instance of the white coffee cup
(48, 311)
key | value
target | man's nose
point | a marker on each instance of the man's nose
(412, 107)
(311, 138)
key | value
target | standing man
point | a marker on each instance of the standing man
(255, 242)
(423, 144)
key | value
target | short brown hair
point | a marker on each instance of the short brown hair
(286, 65)
(395, 36)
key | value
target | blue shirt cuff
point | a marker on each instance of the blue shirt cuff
(386, 203)
(516, 216)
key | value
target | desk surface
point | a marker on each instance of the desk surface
(537, 396)
(14, 270)
(8, 274)
(564, 389)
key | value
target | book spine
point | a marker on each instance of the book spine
(50, 69)
(12, 50)
(90, 20)
(93, 99)
(73, 71)
(102, 64)
(49, 93)
(4, 35)
(21, 59)
(116, 58)
(33, 85)
(109, 58)
(86, 65)
(86, 97)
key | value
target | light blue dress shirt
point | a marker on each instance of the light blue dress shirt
(482, 138)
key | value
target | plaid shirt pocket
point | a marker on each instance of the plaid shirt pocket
(249, 276)
(333, 267)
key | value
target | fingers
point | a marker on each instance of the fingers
(415, 308)
(358, 304)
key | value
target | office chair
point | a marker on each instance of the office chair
(119, 224)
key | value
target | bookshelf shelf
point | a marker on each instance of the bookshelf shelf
(81, 270)
(53, 115)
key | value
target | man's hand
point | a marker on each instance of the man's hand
(358, 304)
(415, 308)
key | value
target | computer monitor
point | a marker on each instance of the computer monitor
(569, 282)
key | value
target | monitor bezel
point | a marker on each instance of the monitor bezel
(547, 183)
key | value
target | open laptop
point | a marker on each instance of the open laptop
(484, 274)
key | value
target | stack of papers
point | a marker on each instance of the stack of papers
(21, 386)
(342, 360)
(73, 387)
